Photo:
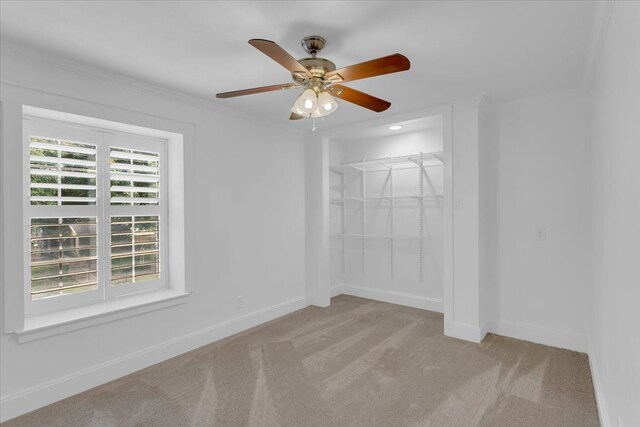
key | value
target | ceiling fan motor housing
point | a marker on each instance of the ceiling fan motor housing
(317, 66)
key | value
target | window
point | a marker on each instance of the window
(97, 206)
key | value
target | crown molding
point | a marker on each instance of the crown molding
(18, 51)
(601, 18)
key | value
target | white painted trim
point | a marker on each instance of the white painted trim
(416, 301)
(598, 388)
(36, 397)
(318, 301)
(448, 238)
(85, 316)
(324, 291)
(337, 290)
(540, 334)
(316, 228)
(465, 331)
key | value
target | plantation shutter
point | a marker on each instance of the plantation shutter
(62, 185)
(136, 166)
(135, 177)
(97, 206)
(62, 172)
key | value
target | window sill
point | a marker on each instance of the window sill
(49, 324)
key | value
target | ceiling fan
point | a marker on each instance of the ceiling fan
(320, 78)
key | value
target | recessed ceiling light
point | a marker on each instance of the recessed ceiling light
(395, 127)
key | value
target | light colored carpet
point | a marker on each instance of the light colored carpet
(356, 363)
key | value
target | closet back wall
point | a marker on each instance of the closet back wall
(387, 269)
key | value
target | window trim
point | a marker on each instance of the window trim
(103, 139)
(84, 316)
(19, 101)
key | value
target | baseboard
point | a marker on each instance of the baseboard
(598, 388)
(44, 394)
(540, 335)
(399, 298)
(337, 290)
(464, 331)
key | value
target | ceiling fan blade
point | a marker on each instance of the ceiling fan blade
(281, 56)
(376, 67)
(295, 116)
(359, 98)
(257, 90)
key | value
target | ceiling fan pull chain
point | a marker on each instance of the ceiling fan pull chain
(313, 129)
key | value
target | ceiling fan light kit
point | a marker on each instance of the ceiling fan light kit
(320, 79)
(307, 103)
(310, 105)
(326, 103)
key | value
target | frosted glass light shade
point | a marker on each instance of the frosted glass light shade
(306, 103)
(326, 104)
(298, 111)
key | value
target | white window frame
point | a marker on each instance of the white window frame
(103, 139)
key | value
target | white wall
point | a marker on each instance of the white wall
(246, 200)
(544, 174)
(614, 326)
(387, 275)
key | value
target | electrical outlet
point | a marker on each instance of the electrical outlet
(240, 302)
(540, 234)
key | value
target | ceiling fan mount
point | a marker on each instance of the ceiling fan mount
(321, 80)
(313, 44)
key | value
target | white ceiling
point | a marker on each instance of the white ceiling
(457, 49)
(373, 131)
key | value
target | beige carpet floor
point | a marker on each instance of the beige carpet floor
(356, 363)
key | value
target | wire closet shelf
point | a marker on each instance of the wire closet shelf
(419, 162)
(388, 163)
